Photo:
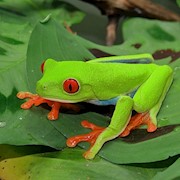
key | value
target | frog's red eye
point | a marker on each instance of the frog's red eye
(71, 86)
(42, 67)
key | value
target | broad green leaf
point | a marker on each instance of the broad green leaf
(35, 10)
(9, 151)
(170, 173)
(14, 45)
(13, 75)
(68, 164)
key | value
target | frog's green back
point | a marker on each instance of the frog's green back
(112, 79)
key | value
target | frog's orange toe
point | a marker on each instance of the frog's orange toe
(23, 95)
(89, 137)
(151, 126)
(125, 133)
(36, 100)
(138, 120)
(20, 95)
(88, 155)
(26, 105)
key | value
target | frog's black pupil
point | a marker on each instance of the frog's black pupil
(70, 87)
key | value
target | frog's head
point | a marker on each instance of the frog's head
(64, 81)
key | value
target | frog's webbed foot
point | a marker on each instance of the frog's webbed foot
(138, 120)
(89, 137)
(135, 121)
(36, 100)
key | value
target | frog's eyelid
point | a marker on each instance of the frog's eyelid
(42, 66)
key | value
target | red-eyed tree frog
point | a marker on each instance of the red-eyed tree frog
(129, 82)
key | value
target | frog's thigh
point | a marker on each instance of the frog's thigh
(151, 93)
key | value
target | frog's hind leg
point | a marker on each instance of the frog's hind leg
(155, 109)
(148, 99)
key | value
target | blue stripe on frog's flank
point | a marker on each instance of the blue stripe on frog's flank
(129, 61)
(112, 101)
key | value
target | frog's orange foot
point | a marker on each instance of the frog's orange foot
(138, 120)
(36, 100)
(89, 137)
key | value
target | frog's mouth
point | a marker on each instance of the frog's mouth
(60, 100)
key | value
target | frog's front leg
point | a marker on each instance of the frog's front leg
(119, 121)
(99, 136)
(36, 100)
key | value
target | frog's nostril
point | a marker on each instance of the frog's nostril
(44, 87)
(41, 87)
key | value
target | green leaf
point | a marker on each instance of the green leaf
(68, 164)
(63, 12)
(8, 151)
(170, 173)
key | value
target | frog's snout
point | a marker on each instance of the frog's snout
(41, 87)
